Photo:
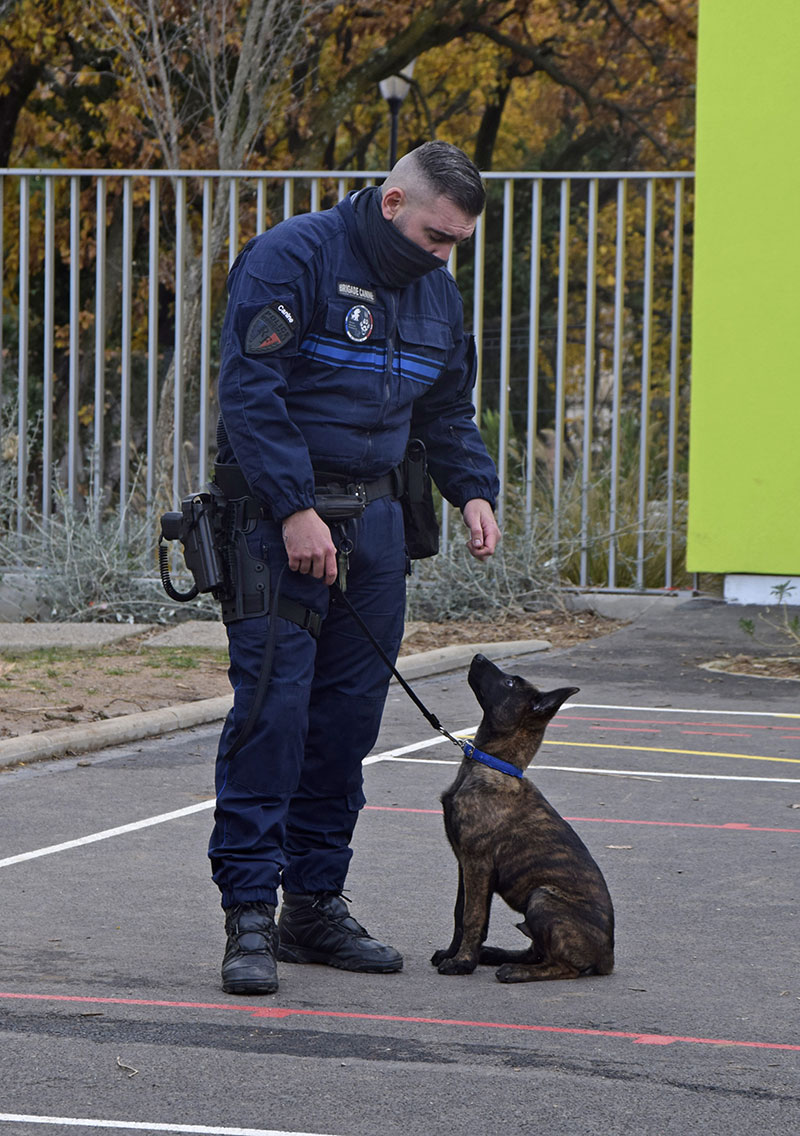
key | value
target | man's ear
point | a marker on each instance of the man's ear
(391, 202)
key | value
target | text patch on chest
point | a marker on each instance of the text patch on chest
(356, 292)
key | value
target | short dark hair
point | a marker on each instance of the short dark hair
(451, 173)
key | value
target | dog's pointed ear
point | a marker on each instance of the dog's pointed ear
(547, 702)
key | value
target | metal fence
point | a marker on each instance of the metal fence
(575, 287)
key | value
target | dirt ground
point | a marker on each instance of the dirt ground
(48, 688)
(758, 667)
(45, 689)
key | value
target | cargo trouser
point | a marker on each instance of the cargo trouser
(289, 799)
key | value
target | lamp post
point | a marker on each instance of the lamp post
(394, 90)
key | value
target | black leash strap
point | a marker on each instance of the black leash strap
(264, 676)
(434, 721)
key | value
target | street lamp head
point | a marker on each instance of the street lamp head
(395, 88)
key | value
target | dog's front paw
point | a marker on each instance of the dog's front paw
(455, 966)
(439, 956)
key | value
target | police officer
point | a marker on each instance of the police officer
(343, 337)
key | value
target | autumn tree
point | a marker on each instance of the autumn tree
(521, 84)
(541, 84)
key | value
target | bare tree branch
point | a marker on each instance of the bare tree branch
(625, 23)
(544, 61)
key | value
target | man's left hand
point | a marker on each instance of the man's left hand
(484, 533)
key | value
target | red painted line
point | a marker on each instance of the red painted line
(626, 729)
(737, 825)
(401, 809)
(665, 724)
(713, 734)
(278, 1012)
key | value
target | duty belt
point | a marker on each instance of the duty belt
(234, 487)
(390, 485)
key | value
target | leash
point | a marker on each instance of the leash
(468, 748)
(462, 743)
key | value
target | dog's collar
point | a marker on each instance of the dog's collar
(492, 762)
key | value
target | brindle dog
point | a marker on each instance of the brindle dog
(508, 839)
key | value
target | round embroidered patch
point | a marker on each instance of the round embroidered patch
(358, 324)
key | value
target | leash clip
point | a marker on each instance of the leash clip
(462, 743)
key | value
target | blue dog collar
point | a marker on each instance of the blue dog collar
(492, 762)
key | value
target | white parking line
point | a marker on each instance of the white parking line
(646, 774)
(679, 710)
(399, 754)
(107, 833)
(141, 1126)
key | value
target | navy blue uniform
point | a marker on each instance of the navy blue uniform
(323, 369)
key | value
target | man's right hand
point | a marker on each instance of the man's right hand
(309, 545)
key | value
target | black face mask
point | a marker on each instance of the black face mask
(397, 261)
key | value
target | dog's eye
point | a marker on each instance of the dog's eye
(510, 682)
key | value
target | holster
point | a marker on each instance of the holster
(419, 512)
(212, 526)
(247, 595)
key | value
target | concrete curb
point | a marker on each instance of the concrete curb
(443, 659)
(70, 741)
(88, 736)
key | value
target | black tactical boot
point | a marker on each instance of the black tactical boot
(319, 928)
(249, 963)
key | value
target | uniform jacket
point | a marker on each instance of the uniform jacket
(324, 369)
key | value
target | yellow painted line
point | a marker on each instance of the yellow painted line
(684, 752)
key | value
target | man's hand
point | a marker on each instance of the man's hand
(484, 533)
(309, 545)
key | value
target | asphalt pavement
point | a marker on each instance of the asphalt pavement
(683, 781)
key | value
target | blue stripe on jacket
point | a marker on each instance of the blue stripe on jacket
(369, 358)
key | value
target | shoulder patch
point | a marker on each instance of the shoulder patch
(269, 329)
(356, 292)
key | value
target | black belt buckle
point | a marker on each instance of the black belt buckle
(312, 623)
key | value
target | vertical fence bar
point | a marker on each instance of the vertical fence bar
(477, 309)
(316, 194)
(205, 337)
(616, 393)
(125, 353)
(98, 434)
(505, 346)
(452, 267)
(288, 197)
(74, 337)
(588, 380)
(561, 358)
(674, 375)
(261, 205)
(647, 338)
(152, 340)
(233, 220)
(531, 430)
(2, 293)
(24, 332)
(48, 409)
(180, 257)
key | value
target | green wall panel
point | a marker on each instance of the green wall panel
(744, 473)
